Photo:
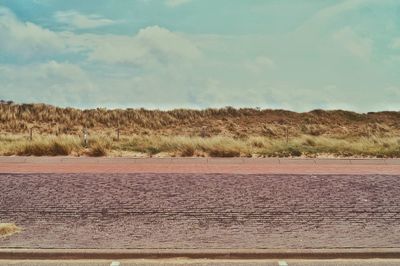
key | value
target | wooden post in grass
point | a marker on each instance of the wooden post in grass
(30, 134)
(287, 134)
(118, 131)
(369, 131)
(85, 137)
(203, 133)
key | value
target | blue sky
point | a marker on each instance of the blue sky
(298, 55)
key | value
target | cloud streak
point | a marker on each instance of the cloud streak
(358, 46)
(76, 20)
(175, 3)
(396, 43)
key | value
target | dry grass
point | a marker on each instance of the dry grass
(230, 122)
(53, 145)
(184, 146)
(218, 146)
(40, 146)
(8, 229)
(305, 145)
(98, 146)
(225, 132)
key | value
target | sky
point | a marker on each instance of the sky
(162, 54)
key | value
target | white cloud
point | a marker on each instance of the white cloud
(392, 92)
(396, 43)
(53, 82)
(25, 38)
(174, 3)
(77, 20)
(161, 68)
(43, 71)
(358, 46)
(323, 15)
(149, 46)
(328, 14)
(260, 64)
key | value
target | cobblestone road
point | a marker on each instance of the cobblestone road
(201, 210)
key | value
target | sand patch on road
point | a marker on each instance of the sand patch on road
(8, 229)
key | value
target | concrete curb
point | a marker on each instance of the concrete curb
(243, 254)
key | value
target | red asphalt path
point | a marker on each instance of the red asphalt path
(198, 165)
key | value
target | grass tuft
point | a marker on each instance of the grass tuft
(98, 146)
(45, 146)
(97, 150)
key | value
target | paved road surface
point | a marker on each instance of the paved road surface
(145, 210)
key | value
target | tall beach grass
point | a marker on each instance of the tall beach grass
(186, 146)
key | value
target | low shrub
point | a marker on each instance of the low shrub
(96, 150)
(187, 151)
(223, 152)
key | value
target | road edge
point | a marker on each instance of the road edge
(215, 254)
